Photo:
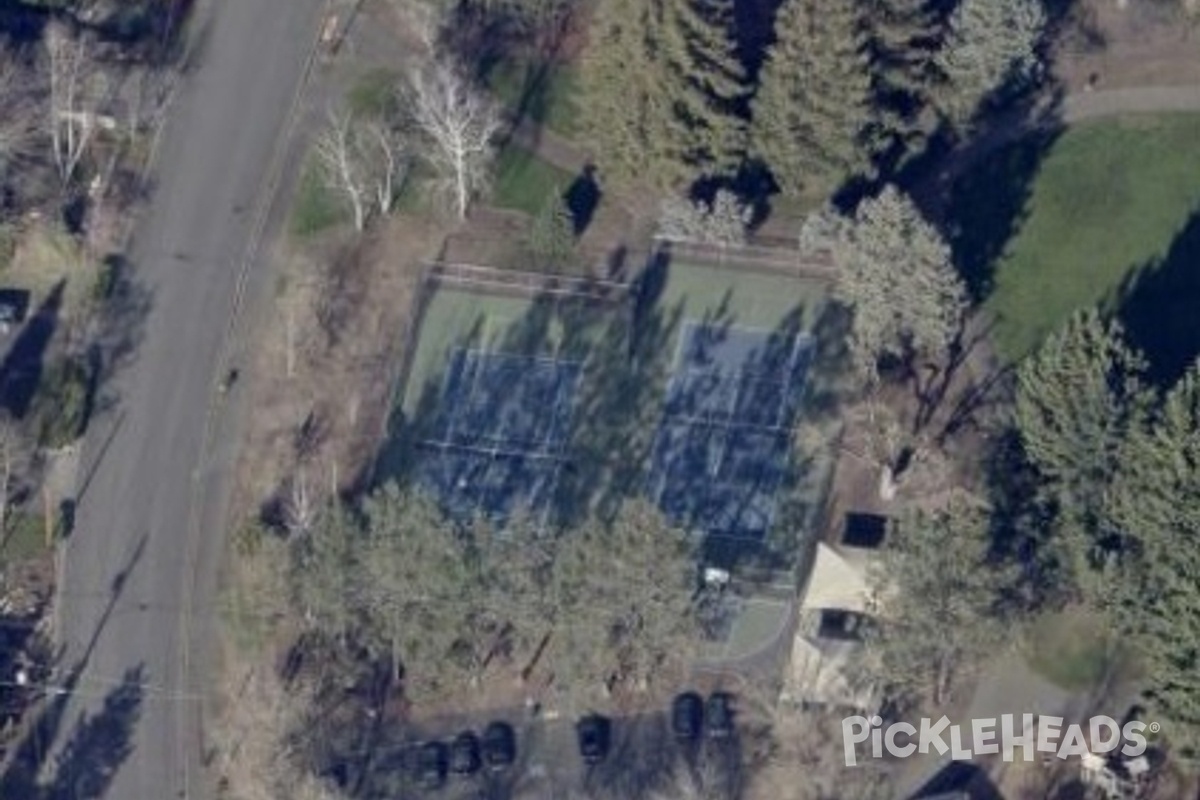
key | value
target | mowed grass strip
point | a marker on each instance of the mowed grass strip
(523, 181)
(1109, 198)
(546, 94)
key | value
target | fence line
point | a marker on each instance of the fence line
(789, 261)
(527, 283)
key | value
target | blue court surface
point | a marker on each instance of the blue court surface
(501, 432)
(723, 446)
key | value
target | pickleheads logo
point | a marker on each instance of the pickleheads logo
(995, 735)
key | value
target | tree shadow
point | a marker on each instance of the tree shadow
(99, 744)
(977, 192)
(21, 370)
(1157, 305)
(21, 777)
(582, 197)
(124, 307)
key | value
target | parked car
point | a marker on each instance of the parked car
(593, 734)
(433, 759)
(719, 715)
(687, 716)
(499, 746)
(464, 754)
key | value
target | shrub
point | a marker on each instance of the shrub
(62, 403)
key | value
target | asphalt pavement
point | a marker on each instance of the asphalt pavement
(139, 567)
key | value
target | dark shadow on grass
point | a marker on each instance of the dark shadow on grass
(582, 197)
(21, 371)
(977, 191)
(1157, 305)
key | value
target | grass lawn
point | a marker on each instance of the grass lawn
(1075, 650)
(315, 206)
(548, 99)
(523, 181)
(1109, 198)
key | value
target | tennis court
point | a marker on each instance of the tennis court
(566, 399)
(722, 448)
(504, 420)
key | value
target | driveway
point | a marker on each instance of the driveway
(131, 565)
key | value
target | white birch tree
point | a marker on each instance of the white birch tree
(78, 88)
(363, 161)
(459, 123)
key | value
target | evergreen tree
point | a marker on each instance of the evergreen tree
(708, 83)
(1078, 399)
(662, 90)
(812, 112)
(551, 239)
(990, 44)
(938, 602)
(903, 39)
(897, 277)
(1156, 506)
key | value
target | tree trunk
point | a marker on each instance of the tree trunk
(460, 179)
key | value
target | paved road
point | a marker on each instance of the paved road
(127, 593)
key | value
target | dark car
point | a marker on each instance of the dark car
(719, 715)
(433, 759)
(464, 754)
(499, 746)
(593, 734)
(687, 716)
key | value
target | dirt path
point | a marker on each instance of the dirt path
(1082, 106)
(550, 146)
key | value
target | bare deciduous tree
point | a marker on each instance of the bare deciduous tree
(20, 129)
(459, 123)
(12, 449)
(723, 222)
(362, 159)
(78, 88)
(337, 149)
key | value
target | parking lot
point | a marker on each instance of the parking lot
(642, 754)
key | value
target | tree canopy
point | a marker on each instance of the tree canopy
(896, 275)
(812, 112)
(1078, 399)
(938, 601)
(663, 90)
(439, 600)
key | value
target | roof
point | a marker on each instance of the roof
(836, 582)
(818, 673)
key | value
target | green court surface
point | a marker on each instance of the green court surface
(722, 294)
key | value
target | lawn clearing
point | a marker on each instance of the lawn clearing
(545, 94)
(1109, 198)
(523, 181)
(1074, 649)
(315, 206)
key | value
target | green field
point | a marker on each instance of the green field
(546, 96)
(1110, 197)
(523, 181)
(626, 358)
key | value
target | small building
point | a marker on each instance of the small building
(828, 645)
